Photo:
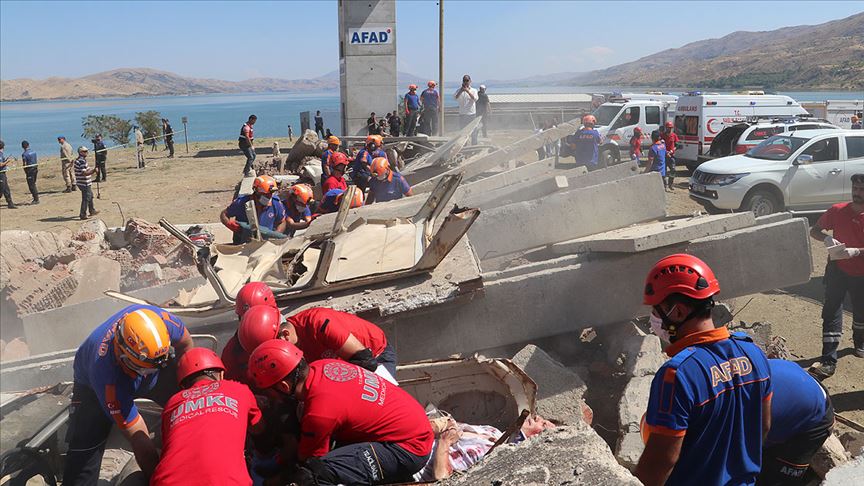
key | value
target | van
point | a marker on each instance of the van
(837, 112)
(617, 118)
(700, 117)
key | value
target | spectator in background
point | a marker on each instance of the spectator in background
(246, 143)
(101, 155)
(290, 134)
(319, 124)
(67, 159)
(31, 169)
(395, 124)
(372, 124)
(856, 122)
(484, 108)
(466, 96)
(139, 146)
(169, 137)
(4, 183)
(82, 179)
(431, 99)
(412, 110)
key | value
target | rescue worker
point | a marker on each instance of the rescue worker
(670, 138)
(431, 99)
(336, 179)
(333, 199)
(657, 157)
(710, 404)
(333, 144)
(585, 143)
(412, 110)
(802, 417)
(636, 145)
(844, 274)
(321, 333)
(269, 207)
(246, 143)
(298, 213)
(205, 425)
(124, 357)
(386, 184)
(856, 123)
(360, 166)
(382, 433)
(234, 357)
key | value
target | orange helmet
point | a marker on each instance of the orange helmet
(679, 274)
(338, 158)
(272, 361)
(431, 84)
(380, 166)
(265, 185)
(589, 120)
(195, 360)
(141, 341)
(260, 324)
(412, 86)
(356, 202)
(252, 294)
(333, 140)
(301, 192)
(376, 139)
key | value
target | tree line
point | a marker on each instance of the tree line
(119, 129)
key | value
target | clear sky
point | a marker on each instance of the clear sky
(492, 39)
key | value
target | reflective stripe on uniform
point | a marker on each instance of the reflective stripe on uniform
(857, 325)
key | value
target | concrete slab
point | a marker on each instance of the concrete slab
(559, 390)
(578, 293)
(445, 152)
(570, 214)
(245, 186)
(648, 236)
(95, 275)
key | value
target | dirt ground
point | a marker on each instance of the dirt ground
(195, 187)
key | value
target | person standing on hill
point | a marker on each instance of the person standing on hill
(67, 159)
(4, 183)
(101, 154)
(169, 137)
(31, 169)
(319, 124)
(246, 144)
(139, 146)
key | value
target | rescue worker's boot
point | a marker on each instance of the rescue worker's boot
(821, 371)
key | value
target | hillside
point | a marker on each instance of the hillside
(824, 56)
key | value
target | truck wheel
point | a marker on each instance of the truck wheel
(606, 159)
(761, 203)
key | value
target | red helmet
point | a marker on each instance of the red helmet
(431, 84)
(338, 158)
(272, 361)
(412, 86)
(195, 360)
(669, 124)
(589, 120)
(252, 294)
(679, 274)
(259, 324)
(637, 130)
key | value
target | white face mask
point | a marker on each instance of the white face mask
(656, 324)
(264, 200)
(381, 177)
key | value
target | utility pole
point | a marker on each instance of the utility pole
(441, 65)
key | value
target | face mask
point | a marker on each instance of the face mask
(656, 324)
(300, 208)
(381, 177)
(264, 200)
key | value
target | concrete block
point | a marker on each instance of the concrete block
(850, 473)
(564, 455)
(14, 350)
(633, 404)
(829, 456)
(773, 218)
(18, 247)
(95, 275)
(36, 371)
(567, 215)
(246, 186)
(559, 390)
(647, 236)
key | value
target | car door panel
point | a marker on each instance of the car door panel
(820, 183)
(854, 162)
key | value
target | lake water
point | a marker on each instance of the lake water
(219, 117)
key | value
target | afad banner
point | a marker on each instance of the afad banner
(370, 36)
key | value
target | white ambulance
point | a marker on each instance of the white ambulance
(838, 112)
(699, 117)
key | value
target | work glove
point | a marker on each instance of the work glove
(844, 253)
(365, 359)
(830, 241)
(233, 225)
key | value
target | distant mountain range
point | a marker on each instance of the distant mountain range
(824, 56)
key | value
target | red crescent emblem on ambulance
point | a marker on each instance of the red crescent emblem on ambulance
(708, 126)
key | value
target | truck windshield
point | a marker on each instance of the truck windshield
(606, 113)
(778, 147)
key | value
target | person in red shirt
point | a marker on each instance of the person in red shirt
(234, 357)
(336, 180)
(382, 432)
(843, 274)
(322, 333)
(636, 145)
(671, 140)
(204, 426)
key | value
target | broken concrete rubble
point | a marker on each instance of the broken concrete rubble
(95, 275)
(849, 473)
(559, 390)
(829, 456)
(633, 403)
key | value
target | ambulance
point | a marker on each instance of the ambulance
(699, 117)
(838, 112)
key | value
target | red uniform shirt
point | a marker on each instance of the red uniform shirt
(352, 405)
(322, 331)
(334, 182)
(848, 228)
(636, 146)
(203, 435)
(670, 139)
(236, 361)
